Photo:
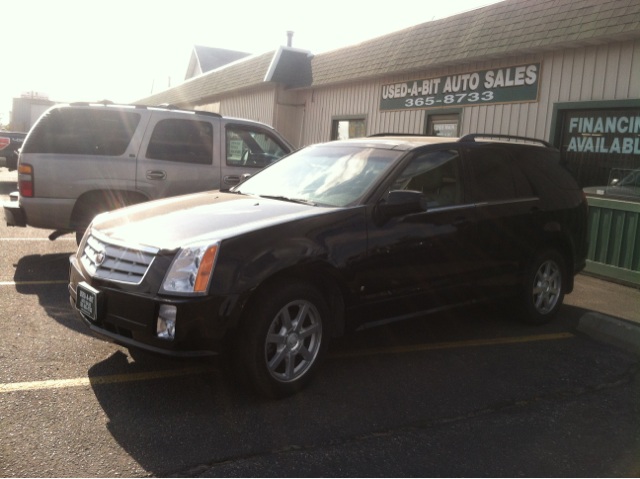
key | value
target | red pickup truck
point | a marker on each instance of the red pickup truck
(10, 143)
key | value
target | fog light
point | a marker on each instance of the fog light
(167, 322)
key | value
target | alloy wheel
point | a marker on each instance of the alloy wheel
(293, 340)
(547, 285)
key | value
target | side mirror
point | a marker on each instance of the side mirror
(244, 177)
(400, 203)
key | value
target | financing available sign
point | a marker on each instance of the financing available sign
(511, 84)
(615, 131)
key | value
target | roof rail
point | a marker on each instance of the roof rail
(169, 106)
(394, 134)
(164, 106)
(493, 136)
(209, 113)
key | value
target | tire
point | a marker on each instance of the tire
(544, 287)
(85, 214)
(283, 339)
(12, 161)
(101, 202)
(79, 236)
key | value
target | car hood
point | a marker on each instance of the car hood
(174, 222)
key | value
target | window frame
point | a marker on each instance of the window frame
(473, 184)
(192, 120)
(442, 111)
(334, 123)
(255, 129)
(44, 131)
(381, 191)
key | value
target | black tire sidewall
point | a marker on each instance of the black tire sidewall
(532, 315)
(253, 332)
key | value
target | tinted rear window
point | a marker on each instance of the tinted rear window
(491, 168)
(544, 165)
(185, 141)
(83, 132)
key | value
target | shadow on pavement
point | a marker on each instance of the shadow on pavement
(54, 298)
(171, 425)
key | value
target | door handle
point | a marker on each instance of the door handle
(231, 180)
(156, 175)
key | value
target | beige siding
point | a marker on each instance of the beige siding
(600, 72)
(257, 105)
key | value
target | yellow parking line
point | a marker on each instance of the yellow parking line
(120, 378)
(449, 345)
(36, 239)
(20, 283)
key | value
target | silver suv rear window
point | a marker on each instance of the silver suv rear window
(71, 131)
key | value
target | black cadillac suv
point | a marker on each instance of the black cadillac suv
(336, 236)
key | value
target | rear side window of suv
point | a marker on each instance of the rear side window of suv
(71, 131)
(185, 141)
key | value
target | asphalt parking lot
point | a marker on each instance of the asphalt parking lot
(472, 392)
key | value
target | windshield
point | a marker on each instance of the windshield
(325, 175)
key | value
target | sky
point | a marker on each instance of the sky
(125, 50)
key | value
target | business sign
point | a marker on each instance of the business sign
(511, 84)
(602, 131)
(234, 152)
(596, 141)
(35, 95)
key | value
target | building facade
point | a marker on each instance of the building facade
(566, 71)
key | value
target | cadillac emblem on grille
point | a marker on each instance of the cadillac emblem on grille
(100, 257)
(116, 262)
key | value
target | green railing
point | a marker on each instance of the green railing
(614, 239)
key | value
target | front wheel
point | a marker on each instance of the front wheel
(283, 339)
(544, 287)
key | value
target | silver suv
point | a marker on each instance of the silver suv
(83, 159)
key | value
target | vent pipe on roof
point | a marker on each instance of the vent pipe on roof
(289, 37)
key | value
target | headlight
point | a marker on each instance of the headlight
(191, 270)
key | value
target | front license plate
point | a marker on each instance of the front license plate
(87, 300)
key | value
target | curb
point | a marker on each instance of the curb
(616, 332)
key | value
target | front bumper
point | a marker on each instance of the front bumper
(130, 319)
(14, 214)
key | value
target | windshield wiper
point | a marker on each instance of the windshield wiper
(291, 200)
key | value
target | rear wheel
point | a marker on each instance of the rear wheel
(283, 340)
(544, 287)
(94, 203)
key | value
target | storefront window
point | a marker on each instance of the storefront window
(345, 129)
(443, 125)
(601, 147)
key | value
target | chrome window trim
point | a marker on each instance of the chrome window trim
(504, 202)
(450, 208)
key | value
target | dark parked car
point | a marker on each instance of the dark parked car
(336, 236)
(625, 184)
(10, 143)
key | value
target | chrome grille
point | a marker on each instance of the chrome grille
(120, 263)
